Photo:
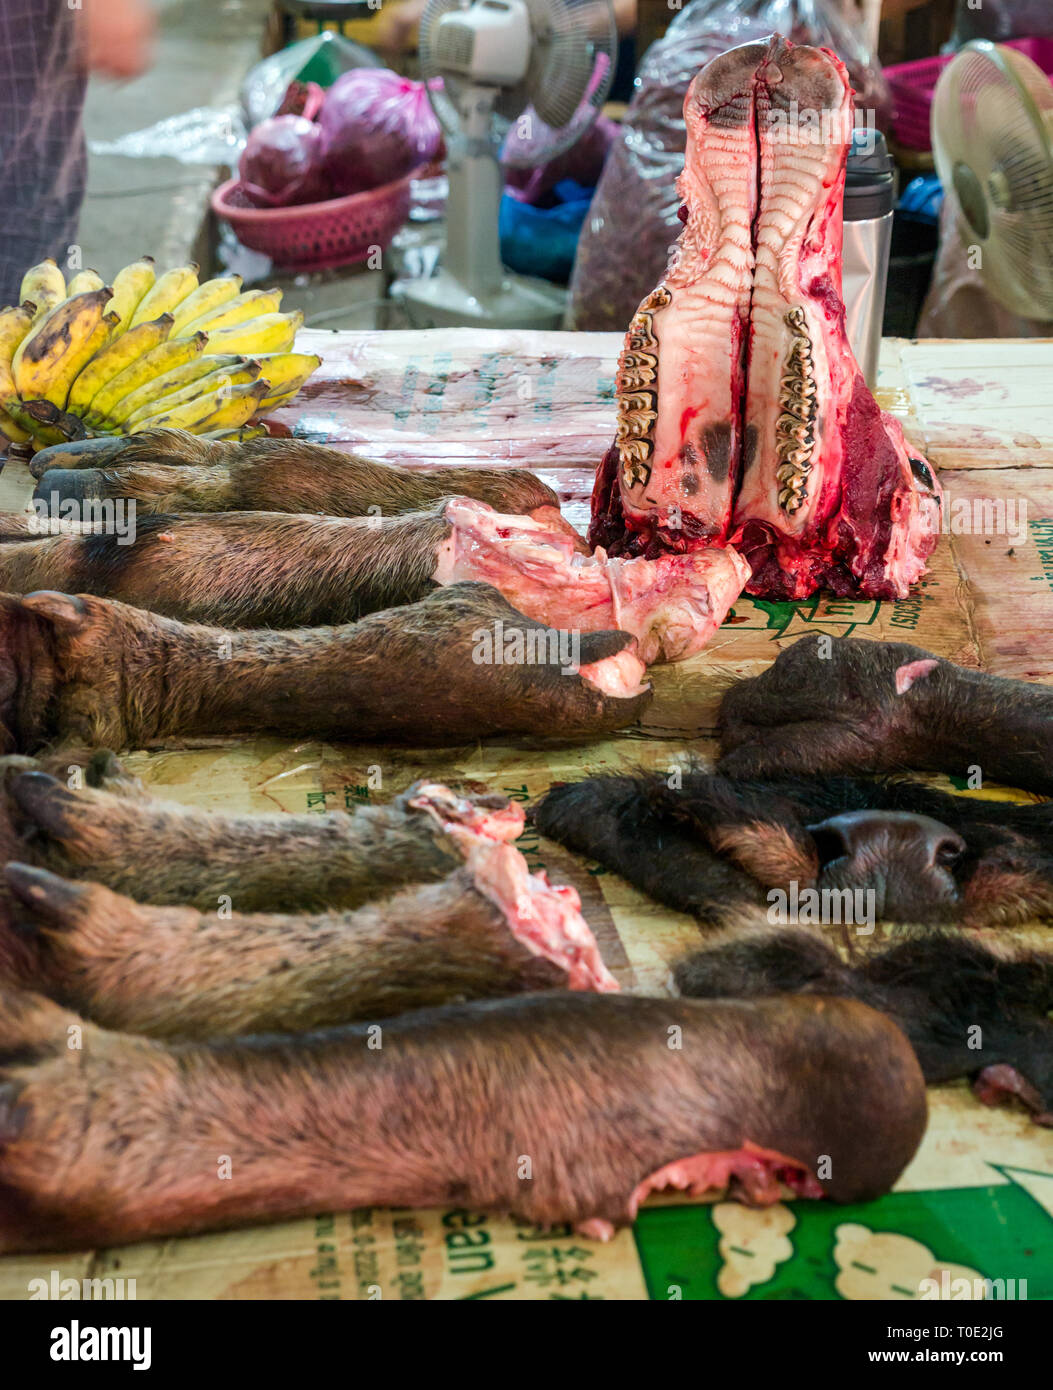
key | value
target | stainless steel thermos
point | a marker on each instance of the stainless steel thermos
(869, 200)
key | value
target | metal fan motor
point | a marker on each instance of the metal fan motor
(992, 137)
(542, 68)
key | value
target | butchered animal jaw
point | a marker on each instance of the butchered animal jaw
(743, 415)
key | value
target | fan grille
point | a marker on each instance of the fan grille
(992, 124)
(573, 43)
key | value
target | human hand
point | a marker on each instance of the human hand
(117, 36)
(397, 25)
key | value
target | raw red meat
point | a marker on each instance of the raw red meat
(672, 604)
(826, 491)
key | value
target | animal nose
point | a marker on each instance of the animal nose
(866, 839)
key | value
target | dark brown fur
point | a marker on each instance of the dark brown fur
(163, 852)
(242, 569)
(716, 846)
(175, 972)
(171, 471)
(964, 1008)
(587, 1087)
(86, 671)
(809, 714)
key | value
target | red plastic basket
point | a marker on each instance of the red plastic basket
(912, 86)
(316, 236)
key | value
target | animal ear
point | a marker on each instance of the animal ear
(913, 671)
(64, 610)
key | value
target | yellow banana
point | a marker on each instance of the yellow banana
(76, 360)
(205, 299)
(106, 408)
(130, 287)
(286, 372)
(44, 286)
(85, 281)
(12, 431)
(271, 333)
(249, 305)
(169, 383)
(43, 359)
(120, 353)
(238, 436)
(14, 325)
(169, 292)
(155, 405)
(236, 411)
(224, 407)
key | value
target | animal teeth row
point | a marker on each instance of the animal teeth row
(638, 406)
(794, 429)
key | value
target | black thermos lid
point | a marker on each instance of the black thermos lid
(869, 185)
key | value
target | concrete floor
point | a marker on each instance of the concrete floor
(158, 206)
(161, 207)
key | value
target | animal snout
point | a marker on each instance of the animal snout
(907, 861)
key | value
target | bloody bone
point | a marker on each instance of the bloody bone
(673, 604)
(715, 847)
(172, 471)
(789, 456)
(851, 705)
(672, 473)
(831, 496)
(404, 674)
(162, 852)
(489, 929)
(244, 569)
(585, 1084)
(967, 1011)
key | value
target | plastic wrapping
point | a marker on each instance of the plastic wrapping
(959, 304)
(217, 134)
(322, 59)
(633, 220)
(376, 126)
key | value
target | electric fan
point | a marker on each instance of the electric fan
(992, 136)
(538, 70)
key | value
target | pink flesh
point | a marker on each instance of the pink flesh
(620, 675)
(448, 809)
(870, 515)
(552, 518)
(1000, 1083)
(913, 671)
(867, 524)
(546, 918)
(757, 1174)
(672, 605)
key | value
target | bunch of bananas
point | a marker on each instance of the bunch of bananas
(88, 359)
